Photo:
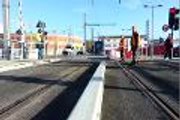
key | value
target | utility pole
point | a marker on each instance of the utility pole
(85, 29)
(92, 37)
(6, 27)
(152, 7)
(152, 32)
(147, 36)
(92, 34)
(93, 25)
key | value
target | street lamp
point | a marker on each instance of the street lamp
(152, 7)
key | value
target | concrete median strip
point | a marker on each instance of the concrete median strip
(89, 104)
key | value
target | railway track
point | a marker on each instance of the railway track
(18, 104)
(174, 65)
(146, 90)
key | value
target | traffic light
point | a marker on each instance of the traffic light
(172, 13)
(173, 20)
(39, 24)
(176, 24)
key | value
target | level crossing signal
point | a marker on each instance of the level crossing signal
(173, 20)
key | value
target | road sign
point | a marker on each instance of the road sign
(165, 28)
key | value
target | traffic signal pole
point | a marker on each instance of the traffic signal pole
(174, 22)
(172, 34)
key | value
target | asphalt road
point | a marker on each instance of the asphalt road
(68, 79)
(123, 101)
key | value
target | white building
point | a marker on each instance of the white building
(111, 44)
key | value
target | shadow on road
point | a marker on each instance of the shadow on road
(62, 105)
(35, 80)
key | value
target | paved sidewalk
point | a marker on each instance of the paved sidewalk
(6, 65)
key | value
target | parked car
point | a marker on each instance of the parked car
(71, 50)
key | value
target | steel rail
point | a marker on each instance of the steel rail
(27, 97)
(149, 93)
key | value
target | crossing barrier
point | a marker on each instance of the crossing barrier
(89, 105)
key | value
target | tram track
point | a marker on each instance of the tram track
(147, 91)
(174, 65)
(19, 103)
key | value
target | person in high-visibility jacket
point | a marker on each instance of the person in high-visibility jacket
(134, 43)
(122, 46)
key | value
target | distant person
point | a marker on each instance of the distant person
(26, 52)
(9, 53)
(168, 44)
(134, 43)
(40, 47)
(122, 48)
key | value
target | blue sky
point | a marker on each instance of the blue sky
(67, 15)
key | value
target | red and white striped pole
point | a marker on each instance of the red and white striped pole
(21, 25)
